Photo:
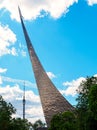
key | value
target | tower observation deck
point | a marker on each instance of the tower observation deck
(51, 99)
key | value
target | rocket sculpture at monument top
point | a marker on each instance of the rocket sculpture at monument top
(52, 100)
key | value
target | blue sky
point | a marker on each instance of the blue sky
(64, 35)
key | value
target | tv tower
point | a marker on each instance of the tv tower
(24, 101)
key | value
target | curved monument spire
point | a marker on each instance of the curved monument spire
(52, 100)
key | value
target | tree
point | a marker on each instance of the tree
(86, 120)
(6, 120)
(20, 124)
(6, 111)
(93, 100)
(83, 91)
(64, 121)
(38, 124)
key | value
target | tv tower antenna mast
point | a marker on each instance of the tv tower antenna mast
(24, 101)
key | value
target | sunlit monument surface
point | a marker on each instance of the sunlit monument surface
(52, 101)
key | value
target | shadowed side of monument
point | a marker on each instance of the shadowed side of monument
(52, 100)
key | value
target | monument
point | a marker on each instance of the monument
(52, 100)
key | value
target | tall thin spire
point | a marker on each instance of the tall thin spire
(52, 100)
(24, 101)
(29, 45)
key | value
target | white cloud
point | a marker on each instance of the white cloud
(2, 70)
(92, 2)
(18, 81)
(31, 9)
(95, 75)
(21, 50)
(0, 80)
(72, 86)
(10, 93)
(7, 39)
(36, 115)
(51, 75)
(13, 51)
(14, 95)
(23, 53)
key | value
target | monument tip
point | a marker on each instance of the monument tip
(20, 12)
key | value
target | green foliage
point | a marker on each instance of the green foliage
(85, 107)
(86, 110)
(6, 120)
(19, 124)
(63, 121)
(83, 91)
(93, 100)
(38, 124)
(6, 110)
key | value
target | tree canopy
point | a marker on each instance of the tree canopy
(6, 111)
(63, 121)
(87, 104)
(85, 115)
(6, 120)
(38, 124)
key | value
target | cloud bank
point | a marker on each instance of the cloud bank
(14, 95)
(92, 2)
(31, 9)
(2, 70)
(72, 86)
(7, 40)
(51, 75)
(18, 81)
